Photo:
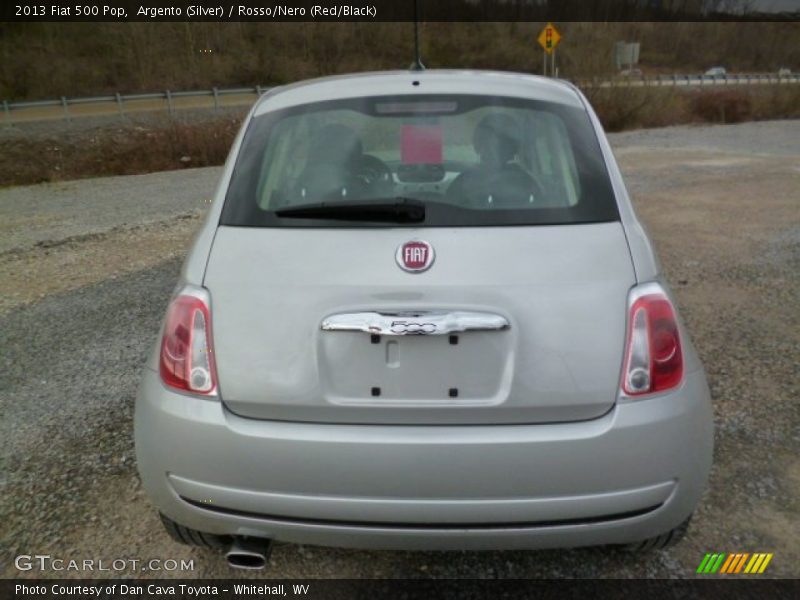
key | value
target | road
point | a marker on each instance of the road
(76, 108)
(90, 265)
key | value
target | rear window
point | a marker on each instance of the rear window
(472, 160)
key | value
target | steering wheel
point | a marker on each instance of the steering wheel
(373, 173)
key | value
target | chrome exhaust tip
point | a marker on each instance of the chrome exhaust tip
(248, 553)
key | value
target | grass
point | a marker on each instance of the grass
(632, 108)
(128, 148)
(125, 148)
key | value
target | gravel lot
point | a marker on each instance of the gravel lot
(51, 213)
(86, 268)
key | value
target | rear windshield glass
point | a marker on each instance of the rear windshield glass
(470, 160)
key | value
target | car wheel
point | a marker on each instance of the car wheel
(192, 537)
(659, 542)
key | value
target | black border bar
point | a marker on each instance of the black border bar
(373, 11)
(409, 589)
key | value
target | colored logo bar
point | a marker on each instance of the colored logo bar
(734, 563)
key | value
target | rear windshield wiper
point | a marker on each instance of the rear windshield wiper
(394, 210)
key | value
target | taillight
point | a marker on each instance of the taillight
(187, 355)
(653, 355)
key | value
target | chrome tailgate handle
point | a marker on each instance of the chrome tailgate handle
(415, 323)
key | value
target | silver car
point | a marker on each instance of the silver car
(422, 314)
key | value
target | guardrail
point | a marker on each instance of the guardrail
(120, 104)
(68, 108)
(688, 80)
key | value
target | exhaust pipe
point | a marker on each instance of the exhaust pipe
(249, 553)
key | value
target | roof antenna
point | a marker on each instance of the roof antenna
(417, 64)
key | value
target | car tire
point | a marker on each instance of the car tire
(192, 537)
(659, 542)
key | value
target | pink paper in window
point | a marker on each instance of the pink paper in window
(421, 144)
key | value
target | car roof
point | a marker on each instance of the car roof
(433, 81)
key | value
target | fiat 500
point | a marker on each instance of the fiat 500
(421, 313)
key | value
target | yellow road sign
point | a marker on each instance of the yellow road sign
(549, 38)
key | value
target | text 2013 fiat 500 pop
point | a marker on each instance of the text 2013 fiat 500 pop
(421, 313)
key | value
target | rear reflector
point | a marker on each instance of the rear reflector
(187, 359)
(653, 354)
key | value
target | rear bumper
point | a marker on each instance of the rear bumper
(634, 473)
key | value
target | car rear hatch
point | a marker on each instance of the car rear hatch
(549, 303)
(326, 306)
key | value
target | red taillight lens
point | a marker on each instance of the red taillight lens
(653, 355)
(187, 357)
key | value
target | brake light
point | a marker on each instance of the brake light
(653, 354)
(187, 357)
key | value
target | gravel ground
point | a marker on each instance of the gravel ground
(753, 138)
(721, 204)
(53, 212)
